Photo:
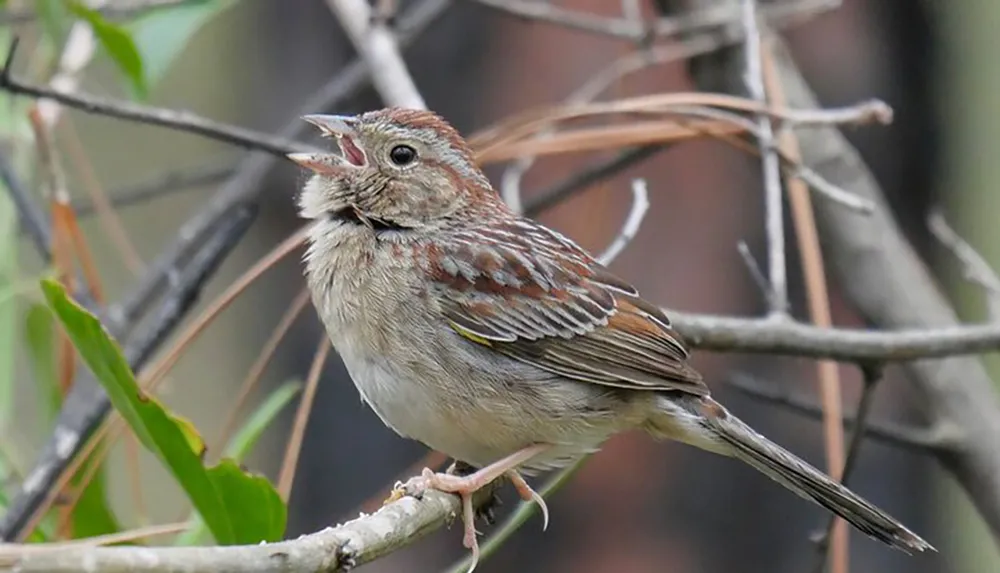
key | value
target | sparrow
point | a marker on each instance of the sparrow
(498, 341)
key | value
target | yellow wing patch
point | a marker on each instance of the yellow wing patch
(464, 333)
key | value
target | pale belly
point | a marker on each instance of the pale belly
(479, 417)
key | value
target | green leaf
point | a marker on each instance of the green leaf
(241, 444)
(118, 42)
(161, 35)
(39, 333)
(246, 438)
(239, 508)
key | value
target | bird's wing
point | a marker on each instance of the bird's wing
(526, 291)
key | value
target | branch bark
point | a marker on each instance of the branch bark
(333, 549)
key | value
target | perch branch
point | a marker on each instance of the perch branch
(335, 548)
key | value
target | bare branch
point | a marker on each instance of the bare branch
(774, 220)
(761, 335)
(630, 29)
(170, 118)
(828, 540)
(754, 268)
(33, 219)
(640, 204)
(974, 267)
(335, 548)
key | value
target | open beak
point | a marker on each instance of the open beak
(333, 125)
(322, 163)
(344, 129)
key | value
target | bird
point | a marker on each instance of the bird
(494, 339)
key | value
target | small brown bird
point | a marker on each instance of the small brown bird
(494, 339)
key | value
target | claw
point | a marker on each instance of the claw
(528, 494)
(469, 537)
(397, 493)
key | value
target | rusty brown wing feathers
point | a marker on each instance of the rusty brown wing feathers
(528, 292)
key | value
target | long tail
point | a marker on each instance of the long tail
(706, 424)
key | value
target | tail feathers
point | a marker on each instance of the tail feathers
(795, 474)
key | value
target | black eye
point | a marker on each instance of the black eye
(402, 155)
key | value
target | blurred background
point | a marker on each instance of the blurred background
(638, 506)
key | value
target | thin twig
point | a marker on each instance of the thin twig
(111, 222)
(755, 271)
(774, 220)
(872, 375)
(811, 253)
(174, 119)
(580, 180)
(127, 536)
(629, 29)
(286, 478)
(116, 11)
(256, 371)
(155, 373)
(640, 205)
(975, 268)
(918, 439)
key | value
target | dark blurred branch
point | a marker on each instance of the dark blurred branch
(627, 29)
(919, 439)
(87, 404)
(162, 185)
(174, 119)
(32, 219)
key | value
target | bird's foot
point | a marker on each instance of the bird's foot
(466, 485)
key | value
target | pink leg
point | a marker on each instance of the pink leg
(465, 486)
(529, 495)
